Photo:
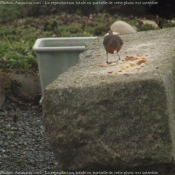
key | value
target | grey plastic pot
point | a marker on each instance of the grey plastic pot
(57, 55)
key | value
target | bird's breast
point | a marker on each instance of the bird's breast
(109, 49)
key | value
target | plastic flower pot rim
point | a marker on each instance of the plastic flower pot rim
(71, 42)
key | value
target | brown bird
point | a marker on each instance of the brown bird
(111, 43)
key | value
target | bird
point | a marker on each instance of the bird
(111, 43)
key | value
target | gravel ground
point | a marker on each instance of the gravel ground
(23, 146)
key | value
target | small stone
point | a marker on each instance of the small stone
(127, 65)
(113, 64)
(131, 63)
(123, 67)
(142, 65)
(120, 61)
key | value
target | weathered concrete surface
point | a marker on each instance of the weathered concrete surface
(95, 120)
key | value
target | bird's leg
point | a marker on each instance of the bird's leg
(107, 57)
(118, 56)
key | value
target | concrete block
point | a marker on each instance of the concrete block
(100, 116)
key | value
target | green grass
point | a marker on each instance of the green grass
(16, 163)
(9, 134)
(17, 37)
(146, 27)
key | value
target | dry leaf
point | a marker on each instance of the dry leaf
(102, 65)
(134, 58)
(127, 58)
(143, 60)
(110, 71)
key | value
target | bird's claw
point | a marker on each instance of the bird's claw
(108, 62)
